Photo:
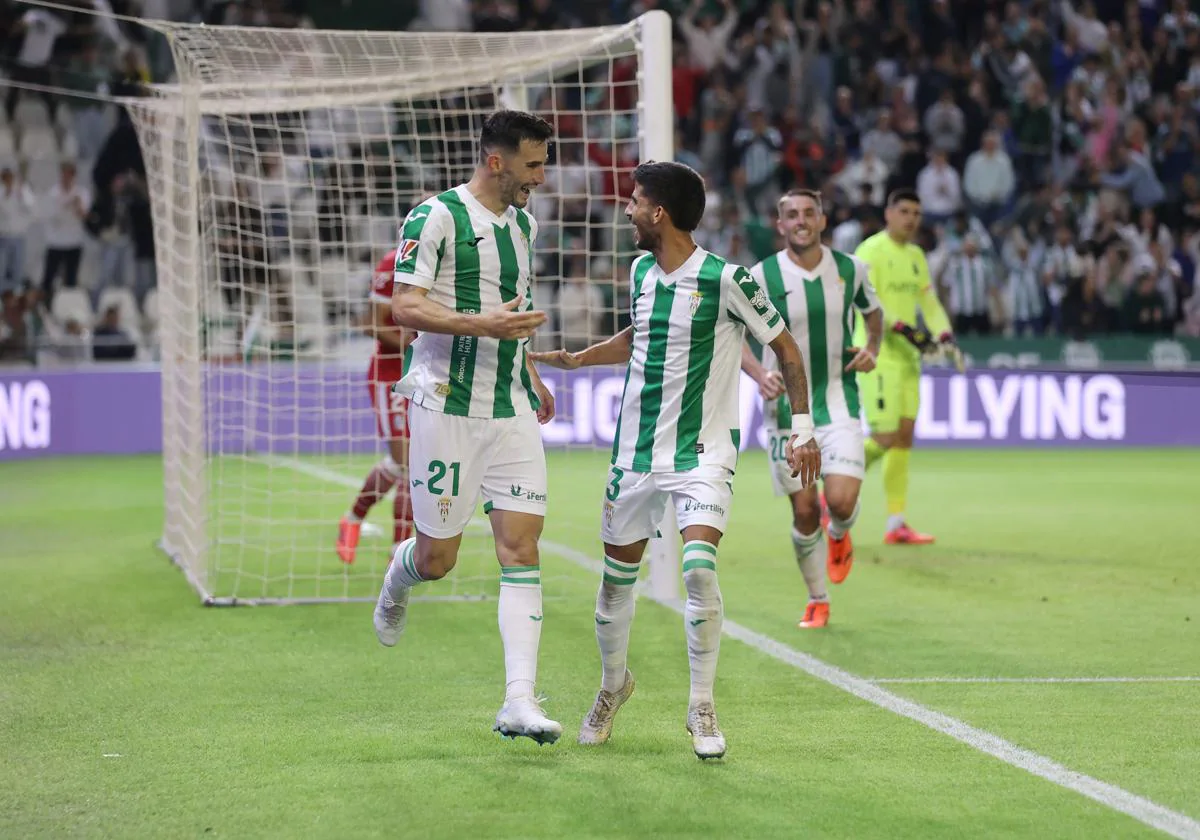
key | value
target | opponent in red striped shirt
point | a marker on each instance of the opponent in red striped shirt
(391, 416)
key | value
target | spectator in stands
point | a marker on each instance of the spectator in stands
(39, 29)
(866, 176)
(989, 180)
(110, 342)
(972, 287)
(707, 36)
(883, 142)
(14, 327)
(945, 125)
(939, 188)
(89, 75)
(758, 150)
(1133, 175)
(580, 311)
(62, 213)
(1145, 310)
(16, 207)
(1026, 288)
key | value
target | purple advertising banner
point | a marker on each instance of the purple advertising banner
(298, 410)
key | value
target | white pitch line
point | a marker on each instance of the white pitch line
(1118, 799)
(1025, 680)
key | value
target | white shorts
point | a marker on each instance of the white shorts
(634, 503)
(454, 460)
(841, 454)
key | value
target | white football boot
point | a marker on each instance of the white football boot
(391, 615)
(707, 740)
(523, 716)
(598, 723)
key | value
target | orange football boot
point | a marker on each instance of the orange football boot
(824, 510)
(347, 539)
(906, 536)
(816, 614)
(840, 559)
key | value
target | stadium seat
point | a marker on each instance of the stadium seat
(72, 305)
(31, 112)
(41, 173)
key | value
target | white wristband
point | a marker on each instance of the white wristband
(802, 427)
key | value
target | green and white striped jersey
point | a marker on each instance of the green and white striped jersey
(470, 260)
(818, 307)
(679, 409)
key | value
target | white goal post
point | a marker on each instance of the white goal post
(280, 164)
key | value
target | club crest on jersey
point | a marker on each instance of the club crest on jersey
(444, 507)
(694, 302)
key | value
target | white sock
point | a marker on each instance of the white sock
(520, 616)
(350, 517)
(810, 556)
(702, 617)
(615, 603)
(895, 521)
(839, 527)
(403, 571)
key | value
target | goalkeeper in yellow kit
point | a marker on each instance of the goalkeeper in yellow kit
(891, 393)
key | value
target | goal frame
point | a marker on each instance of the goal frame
(175, 111)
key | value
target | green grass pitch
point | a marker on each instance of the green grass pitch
(129, 710)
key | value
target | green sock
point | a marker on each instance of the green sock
(874, 452)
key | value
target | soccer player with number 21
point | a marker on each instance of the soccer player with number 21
(464, 270)
(678, 430)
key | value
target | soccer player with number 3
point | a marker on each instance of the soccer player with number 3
(678, 430)
(464, 271)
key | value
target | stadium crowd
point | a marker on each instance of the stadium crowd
(1053, 143)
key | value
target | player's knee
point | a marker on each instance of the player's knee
(435, 561)
(517, 550)
(841, 502)
(806, 513)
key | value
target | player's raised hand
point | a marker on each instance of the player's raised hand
(772, 385)
(561, 359)
(862, 360)
(804, 459)
(508, 322)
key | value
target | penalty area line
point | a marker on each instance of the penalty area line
(1118, 799)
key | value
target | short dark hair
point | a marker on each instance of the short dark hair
(504, 131)
(803, 192)
(903, 194)
(675, 187)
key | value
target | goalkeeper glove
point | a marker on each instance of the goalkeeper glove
(953, 352)
(919, 338)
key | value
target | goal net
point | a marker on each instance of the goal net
(280, 164)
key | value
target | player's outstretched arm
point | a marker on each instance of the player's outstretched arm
(770, 382)
(614, 351)
(412, 308)
(545, 410)
(803, 454)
